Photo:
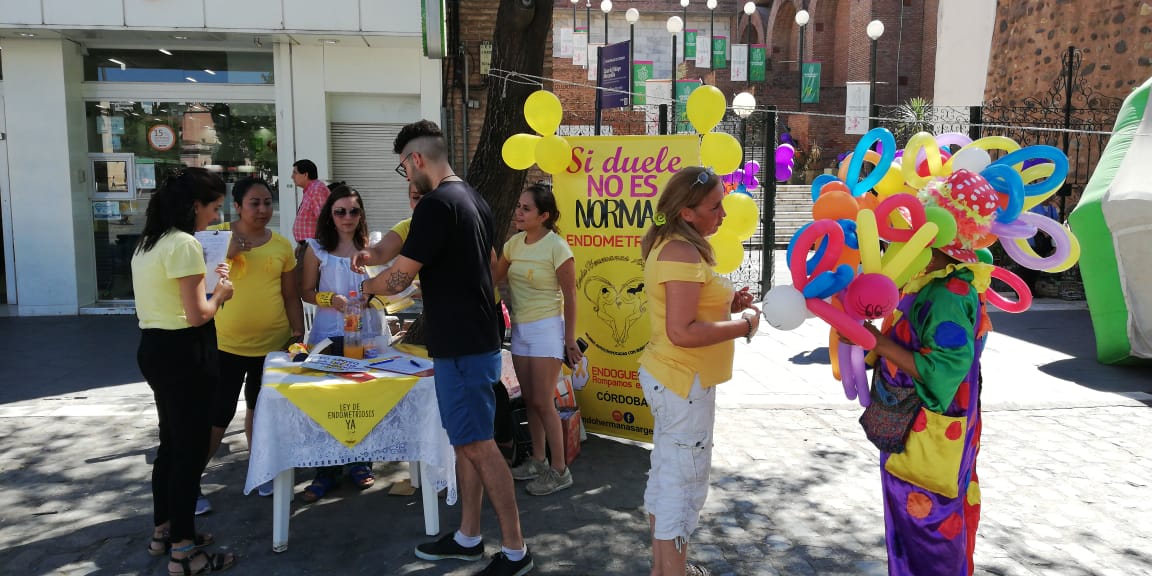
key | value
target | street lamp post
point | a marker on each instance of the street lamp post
(749, 10)
(875, 30)
(606, 7)
(674, 26)
(588, 19)
(802, 18)
(632, 16)
(744, 104)
(574, 3)
(711, 27)
(684, 21)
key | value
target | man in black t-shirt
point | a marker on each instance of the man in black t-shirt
(452, 245)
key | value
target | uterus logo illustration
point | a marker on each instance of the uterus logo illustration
(580, 374)
(614, 288)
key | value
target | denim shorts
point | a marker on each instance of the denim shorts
(464, 395)
(539, 339)
(681, 456)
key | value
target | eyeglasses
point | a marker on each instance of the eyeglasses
(703, 178)
(341, 213)
(400, 169)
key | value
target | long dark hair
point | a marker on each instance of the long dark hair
(326, 233)
(241, 188)
(173, 204)
(545, 202)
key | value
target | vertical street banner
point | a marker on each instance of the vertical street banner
(615, 81)
(564, 46)
(856, 107)
(689, 44)
(657, 92)
(720, 52)
(580, 47)
(757, 62)
(684, 88)
(810, 75)
(593, 60)
(703, 51)
(739, 62)
(641, 74)
(606, 199)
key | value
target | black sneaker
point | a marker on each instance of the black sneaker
(502, 566)
(447, 547)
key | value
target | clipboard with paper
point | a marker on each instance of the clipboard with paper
(215, 244)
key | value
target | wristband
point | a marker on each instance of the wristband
(748, 336)
(363, 293)
(324, 299)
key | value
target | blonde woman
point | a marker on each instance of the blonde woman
(689, 353)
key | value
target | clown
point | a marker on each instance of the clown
(932, 350)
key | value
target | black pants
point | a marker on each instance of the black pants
(236, 372)
(182, 368)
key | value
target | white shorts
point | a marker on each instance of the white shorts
(539, 339)
(681, 456)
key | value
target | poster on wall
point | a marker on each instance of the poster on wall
(607, 199)
(145, 174)
(580, 47)
(657, 92)
(641, 74)
(563, 48)
(757, 62)
(703, 51)
(740, 62)
(856, 108)
(720, 52)
(690, 44)
(161, 137)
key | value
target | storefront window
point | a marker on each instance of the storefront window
(133, 144)
(106, 65)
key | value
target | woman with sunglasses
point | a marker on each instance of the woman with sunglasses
(689, 353)
(178, 357)
(266, 314)
(341, 232)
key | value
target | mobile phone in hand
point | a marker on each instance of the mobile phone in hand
(582, 345)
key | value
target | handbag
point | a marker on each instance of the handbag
(933, 454)
(889, 417)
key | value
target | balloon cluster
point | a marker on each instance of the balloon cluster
(552, 153)
(785, 162)
(848, 280)
(721, 151)
(743, 179)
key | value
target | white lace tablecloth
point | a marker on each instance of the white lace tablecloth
(283, 437)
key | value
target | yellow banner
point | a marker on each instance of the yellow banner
(348, 410)
(606, 201)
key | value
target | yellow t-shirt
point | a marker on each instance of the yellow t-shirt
(254, 321)
(155, 279)
(675, 366)
(532, 276)
(402, 227)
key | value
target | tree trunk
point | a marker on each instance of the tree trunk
(519, 45)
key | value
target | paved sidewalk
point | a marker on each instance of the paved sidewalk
(1065, 470)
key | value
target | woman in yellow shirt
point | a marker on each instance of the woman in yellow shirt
(177, 356)
(266, 314)
(542, 279)
(689, 353)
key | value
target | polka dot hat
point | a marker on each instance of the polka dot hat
(972, 202)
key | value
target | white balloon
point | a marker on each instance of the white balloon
(784, 307)
(973, 160)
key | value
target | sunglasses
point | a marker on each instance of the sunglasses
(340, 212)
(703, 178)
(400, 169)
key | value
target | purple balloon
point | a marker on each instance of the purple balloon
(783, 173)
(784, 153)
(953, 139)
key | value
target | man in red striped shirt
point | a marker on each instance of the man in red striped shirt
(304, 175)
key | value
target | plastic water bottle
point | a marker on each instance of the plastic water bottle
(370, 329)
(353, 342)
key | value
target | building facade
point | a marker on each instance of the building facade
(99, 98)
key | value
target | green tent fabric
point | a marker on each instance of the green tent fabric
(1114, 250)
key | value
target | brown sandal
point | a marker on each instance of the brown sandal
(200, 541)
(212, 562)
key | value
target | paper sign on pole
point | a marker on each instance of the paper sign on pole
(757, 62)
(657, 92)
(720, 52)
(740, 62)
(564, 46)
(593, 60)
(856, 108)
(703, 51)
(580, 47)
(641, 74)
(690, 43)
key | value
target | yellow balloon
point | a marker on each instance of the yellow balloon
(553, 154)
(705, 109)
(1073, 255)
(920, 141)
(918, 264)
(519, 151)
(988, 144)
(903, 259)
(868, 238)
(728, 252)
(543, 112)
(742, 215)
(721, 151)
(891, 183)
